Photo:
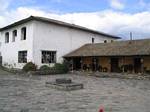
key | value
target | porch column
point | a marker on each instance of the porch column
(133, 64)
(81, 63)
(123, 60)
(72, 65)
(142, 65)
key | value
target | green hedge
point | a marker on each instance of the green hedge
(61, 68)
(29, 67)
(44, 68)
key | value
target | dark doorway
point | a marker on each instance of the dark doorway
(95, 64)
(114, 64)
(137, 65)
(76, 63)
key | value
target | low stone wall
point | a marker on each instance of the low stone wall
(12, 70)
(115, 75)
(48, 72)
(37, 72)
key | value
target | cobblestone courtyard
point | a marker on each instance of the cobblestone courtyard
(29, 94)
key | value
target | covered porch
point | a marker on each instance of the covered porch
(129, 64)
(131, 56)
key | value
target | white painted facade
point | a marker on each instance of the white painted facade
(44, 36)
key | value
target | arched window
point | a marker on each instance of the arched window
(93, 39)
(7, 37)
(23, 33)
(14, 35)
(105, 41)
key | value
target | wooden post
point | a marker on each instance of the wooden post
(123, 60)
(72, 64)
(133, 65)
(142, 66)
(81, 64)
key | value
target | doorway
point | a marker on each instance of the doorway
(114, 64)
(137, 65)
(95, 63)
(77, 63)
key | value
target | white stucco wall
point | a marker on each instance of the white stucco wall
(61, 39)
(9, 51)
(43, 36)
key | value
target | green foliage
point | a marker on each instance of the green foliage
(29, 67)
(61, 68)
(44, 68)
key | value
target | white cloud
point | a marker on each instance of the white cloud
(116, 4)
(108, 21)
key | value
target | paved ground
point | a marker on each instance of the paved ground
(29, 94)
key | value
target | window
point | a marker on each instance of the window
(48, 56)
(22, 57)
(93, 40)
(105, 41)
(7, 37)
(23, 33)
(14, 35)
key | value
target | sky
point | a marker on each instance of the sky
(117, 17)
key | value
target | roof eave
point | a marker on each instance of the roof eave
(59, 23)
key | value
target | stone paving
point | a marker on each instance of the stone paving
(29, 94)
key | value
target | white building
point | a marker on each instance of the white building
(44, 41)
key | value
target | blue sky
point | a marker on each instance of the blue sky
(70, 6)
(118, 17)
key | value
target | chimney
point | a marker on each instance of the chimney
(130, 38)
(130, 35)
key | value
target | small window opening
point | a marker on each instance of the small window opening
(14, 35)
(93, 39)
(23, 33)
(105, 41)
(7, 37)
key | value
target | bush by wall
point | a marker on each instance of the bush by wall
(61, 68)
(29, 67)
(56, 69)
(44, 68)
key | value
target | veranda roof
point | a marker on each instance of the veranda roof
(117, 48)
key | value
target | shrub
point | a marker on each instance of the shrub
(44, 68)
(61, 68)
(29, 67)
